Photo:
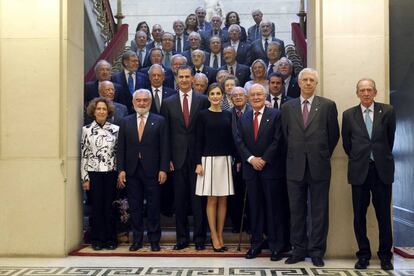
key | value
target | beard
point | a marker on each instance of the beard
(141, 110)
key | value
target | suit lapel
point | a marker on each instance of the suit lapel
(378, 113)
(314, 110)
(147, 128)
(359, 119)
(263, 123)
(195, 101)
(249, 124)
(298, 112)
(177, 104)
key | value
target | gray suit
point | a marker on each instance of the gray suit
(308, 169)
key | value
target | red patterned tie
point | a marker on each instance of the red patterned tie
(186, 113)
(256, 125)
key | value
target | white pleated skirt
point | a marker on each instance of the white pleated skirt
(217, 179)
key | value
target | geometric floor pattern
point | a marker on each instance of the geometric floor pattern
(191, 271)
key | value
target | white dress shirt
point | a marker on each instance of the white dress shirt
(159, 92)
(189, 98)
(212, 59)
(371, 114)
(310, 100)
(286, 83)
(126, 72)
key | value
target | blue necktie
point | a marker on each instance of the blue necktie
(368, 124)
(131, 86)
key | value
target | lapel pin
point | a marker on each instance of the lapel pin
(152, 124)
(380, 111)
(267, 120)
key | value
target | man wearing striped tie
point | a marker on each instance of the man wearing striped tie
(368, 131)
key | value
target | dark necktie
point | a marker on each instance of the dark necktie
(305, 112)
(266, 45)
(257, 33)
(167, 60)
(141, 57)
(186, 113)
(215, 62)
(157, 100)
(131, 86)
(270, 71)
(231, 70)
(179, 44)
(238, 113)
(198, 71)
(276, 105)
(256, 124)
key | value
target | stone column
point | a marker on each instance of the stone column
(347, 40)
(41, 96)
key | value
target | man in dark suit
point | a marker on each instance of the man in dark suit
(197, 58)
(254, 33)
(285, 67)
(310, 128)
(258, 141)
(156, 57)
(194, 43)
(167, 49)
(216, 30)
(241, 71)
(107, 90)
(129, 79)
(274, 50)
(159, 92)
(200, 83)
(103, 73)
(235, 205)
(242, 48)
(203, 25)
(156, 33)
(177, 61)
(368, 131)
(180, 38)
(258, 48)
(142, 48)
(214, 59)
(143, 156)
(276, 97)
(181, 112)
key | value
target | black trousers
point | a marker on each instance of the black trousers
(102, 193)
(266, 212)
(313, 245)
(381, 199)
(235, 202)
(140, 186)
(184, 180)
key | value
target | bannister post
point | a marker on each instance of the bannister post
(119, 16)
(302, 15)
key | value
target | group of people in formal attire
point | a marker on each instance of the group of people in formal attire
(220, 135)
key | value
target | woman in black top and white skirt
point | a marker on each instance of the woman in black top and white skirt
(214, 152)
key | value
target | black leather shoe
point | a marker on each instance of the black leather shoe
(253, 252)
(155, 246)
(180, 246)
(225, 248)
(97, 246)
(294, 260)
(199, 246)
(135, 246)
(275, 256)
(362, 263)
(318, 261)
(111, 245)
(386, 265)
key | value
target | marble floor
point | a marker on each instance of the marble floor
(188, 266)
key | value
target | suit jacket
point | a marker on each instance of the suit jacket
(182, 139)
(242, 73)
(169, 76)
(207, 59)
(252, 36)
(283, 100)
(125, 97)
(209, 72)
(315, 143)
(257, 50)
(234, 121)
(358, 145)
(153, 148)
(207, 27)
(166, 92)
(293, 89)
(91, 91)
(266, 146)
(205, 38)
(146, 60)
(242, 52)
(243, 34)
(186, 46)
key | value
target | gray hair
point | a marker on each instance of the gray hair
(284, 59)
(102, 83)
(257, 11)
(101, 63)
(238, 89)
(262, 63)
(178, 56)
(260, 86)
(265, 21)
(155, 66)
(367, 79)
(127, 55)
(201, 76)
(142, 91)
(235, 26)
(194, 34)
(309, 71)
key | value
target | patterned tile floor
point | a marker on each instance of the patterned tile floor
(173, 266)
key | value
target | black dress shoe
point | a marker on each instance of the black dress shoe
(225, 248)
(253, 252)
(180, 246)
(362, 263)
(135, 246)
(155, 246)
(318, 261)
(111, 245)
(275, 256)
(294, 260)
(97, 246)
(199, 246)
(386, 265)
